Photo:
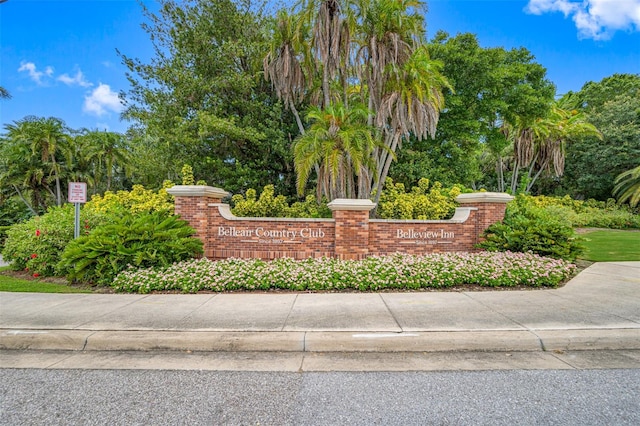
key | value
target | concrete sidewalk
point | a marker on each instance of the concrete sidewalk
(597, 310)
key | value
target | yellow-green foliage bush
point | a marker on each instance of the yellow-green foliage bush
(270, 205)
(310, 208)
(136, 201)
(423, 202)
(578, 206)
(589, 213)
(187, 175)
(267, 205)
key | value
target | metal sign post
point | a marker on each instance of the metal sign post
(77, 196)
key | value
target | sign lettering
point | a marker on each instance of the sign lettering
(270, 236)
(77, 192)
(412, 236)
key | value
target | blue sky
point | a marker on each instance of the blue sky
(58, 57)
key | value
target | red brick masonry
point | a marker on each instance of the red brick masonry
(349, 235)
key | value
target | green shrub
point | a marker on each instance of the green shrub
(270, 205)
(589, 213)
(527, 228)
(612, 219)
(155, 239)
(423, 202)
(36, 244)
(3, 235)
(12, 211)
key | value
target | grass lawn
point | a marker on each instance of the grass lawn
(9, 283)
(611, 245)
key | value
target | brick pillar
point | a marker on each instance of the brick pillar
(351, 227)
(192, 204)
(491, 208)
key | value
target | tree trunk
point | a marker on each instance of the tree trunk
(364, 185)
(325, 86)
(381, 159)
(109, 166)
(26, 203)
(533, 180)
(385, 170)
(514, 178)
(294, 110)
(500, 174)
(58, 189)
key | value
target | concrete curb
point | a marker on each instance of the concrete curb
(433, 341)
(590, 339)
(311, 341)
(63, 340)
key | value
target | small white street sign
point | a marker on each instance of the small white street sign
(77, 192)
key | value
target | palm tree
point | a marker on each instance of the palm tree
(109, 151)
(628, 186)
(341, 144)
(366, 52)
(540, 144)
(24, 174)
(283, 66)
(387, 35)
(330, 39)
(81, 167)
(411, 105)
(496, 150)
(46, 136)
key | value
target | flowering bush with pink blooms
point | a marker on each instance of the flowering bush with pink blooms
(401, 272)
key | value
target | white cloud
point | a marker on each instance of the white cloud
(597, 19)
(34, 74)
(77, 79)
(102, 100)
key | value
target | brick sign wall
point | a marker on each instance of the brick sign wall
(267, 238)
(349, 235)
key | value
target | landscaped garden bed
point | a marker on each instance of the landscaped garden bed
(36, 249)
(396, 272)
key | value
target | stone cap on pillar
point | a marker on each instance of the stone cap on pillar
(351, 204)
(197, 191)
(484, 197)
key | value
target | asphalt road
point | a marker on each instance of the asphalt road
(142, 397)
